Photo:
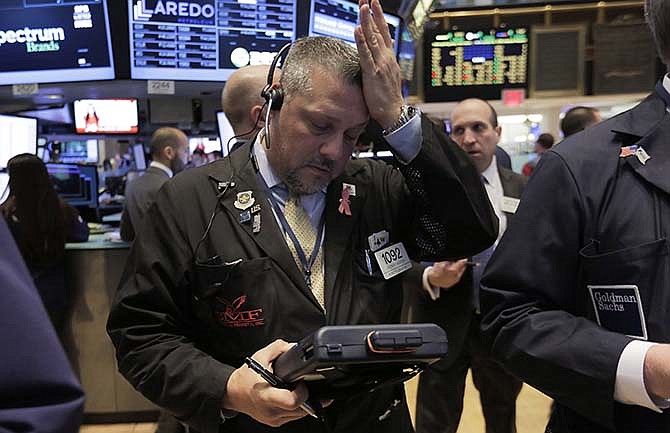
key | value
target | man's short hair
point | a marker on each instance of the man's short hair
(240, 93)
(657, 13)
(164, 137)
(327, 55)
(577, 119)
(545, 140)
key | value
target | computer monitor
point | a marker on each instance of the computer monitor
(225, 132)
(76, 184)
(106, 116)
(474, 64)
(17, 135)
(338, 19)
(139, 156)
(206, 41)
(54, 41)
(207, 144)
(79, 151)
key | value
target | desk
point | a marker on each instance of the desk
(92, 272)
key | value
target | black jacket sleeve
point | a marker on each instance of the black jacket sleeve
(456, 219)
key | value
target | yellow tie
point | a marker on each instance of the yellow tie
(304, 231)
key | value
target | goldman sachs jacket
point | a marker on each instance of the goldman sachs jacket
(584, 268)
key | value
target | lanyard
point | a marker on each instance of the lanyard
(306, 264)
(663, 93)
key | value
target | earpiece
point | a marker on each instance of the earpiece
(272, 93)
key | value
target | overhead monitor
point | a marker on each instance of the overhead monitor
(50, 41)
(463, 64)
(139, 156)
(17, 135)
(226, 132)
(76, 184)
(106, 116)
(338, 19)
(206, 40)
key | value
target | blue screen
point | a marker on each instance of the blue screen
(206, 39)
(76, 184)
(46, 41)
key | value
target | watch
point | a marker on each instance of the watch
(407, 112)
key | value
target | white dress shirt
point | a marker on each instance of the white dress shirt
(163, 167)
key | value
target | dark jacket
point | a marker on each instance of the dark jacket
(140, 194)
(453, 310)
(588, 218)
(40, 394)
(179, 340)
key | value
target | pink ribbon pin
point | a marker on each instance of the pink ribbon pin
(344, 202)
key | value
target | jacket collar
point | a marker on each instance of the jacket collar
(648, 127)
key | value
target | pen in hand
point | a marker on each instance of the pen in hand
(277, 382)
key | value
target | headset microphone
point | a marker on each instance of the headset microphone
(273, 93)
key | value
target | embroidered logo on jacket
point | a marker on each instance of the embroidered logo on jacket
(233, 317)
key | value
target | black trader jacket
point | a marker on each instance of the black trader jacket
(178, 342)
(588, 218)
(454, 309)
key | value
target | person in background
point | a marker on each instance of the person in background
(214, 155)
(38, 390)
(182, 341)
(579, 118)
(451, 297)
(42, 223)
(198, 157)
(169, 150)
(242, 102)
(576, 298)
(544, 143)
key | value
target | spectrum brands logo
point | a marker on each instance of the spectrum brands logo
(35, 40)
(183, 10)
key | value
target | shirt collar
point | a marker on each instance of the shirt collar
(163, 167)
(491, 171)
(666, 83)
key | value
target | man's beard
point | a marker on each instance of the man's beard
(297, 186)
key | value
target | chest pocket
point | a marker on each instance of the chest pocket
(610, 278)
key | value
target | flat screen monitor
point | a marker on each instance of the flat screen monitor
(17, 135)
(79, 151)
(48, 41)
(463, 64)
(206, 40)
(139, 156)
(225, 132)
(76, 184)
(208, 145)
(105, 116)
(338, 19)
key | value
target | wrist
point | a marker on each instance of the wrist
(231, 397)
(656, 372)
(404, 114)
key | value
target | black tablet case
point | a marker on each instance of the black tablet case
(337, 361)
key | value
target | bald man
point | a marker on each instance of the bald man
(242, 102)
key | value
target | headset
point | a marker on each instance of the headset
(273, 93)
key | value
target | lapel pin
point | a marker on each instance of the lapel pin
(627, 151)
(245, 200)
(255, 208)
(256, 227)
(245, 217)
(345, 208)
(642, 155)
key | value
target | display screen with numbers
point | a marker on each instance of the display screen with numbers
(480, 64)
(338, 19)
(46, 41)
(206, 39)
(106, 116)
